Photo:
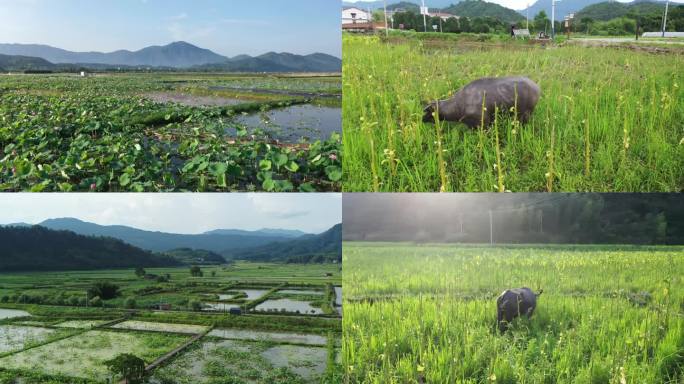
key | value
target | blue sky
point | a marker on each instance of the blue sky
(228, 27)
(179, 212)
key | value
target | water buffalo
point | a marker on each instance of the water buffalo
(466, 105)
(513, 303)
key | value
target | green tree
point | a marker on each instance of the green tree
(196, 271)
(130, 367)
(586, 23)
(140, 271)
(541, 22)
(104, 289)
(130, 303)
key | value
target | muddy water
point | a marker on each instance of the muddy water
(289, 306)
(295, 122)
(219, 307)
(243, 334)
(10, 313)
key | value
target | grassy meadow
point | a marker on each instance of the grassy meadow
(609, 118)
(427, 314)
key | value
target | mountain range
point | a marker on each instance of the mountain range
(266, 244)
(563, 8)
(324, 247)
(179, 54)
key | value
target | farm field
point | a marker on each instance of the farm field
(170, 132)
(49, 333)
(609, 118)
(427, 314)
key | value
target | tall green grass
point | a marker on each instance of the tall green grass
(427, 314)
(608, 119)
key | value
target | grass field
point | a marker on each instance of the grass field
(167, 132)
(427, 314)
(66, 339)
(609, 119)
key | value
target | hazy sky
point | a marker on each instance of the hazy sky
(228, 27)
(513, 4)
(180, 213)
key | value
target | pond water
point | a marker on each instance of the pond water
(82, 324)
(10, 313)
(298, 292)
(14, 338)
(219, 307)
(292, 123)
(225, 297)
(338, 300)
(289, 306)
(245, 334)
(307, 362)
(253, 294)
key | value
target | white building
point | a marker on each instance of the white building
(355, 15)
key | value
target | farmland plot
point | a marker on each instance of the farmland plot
(83, 355)
(428, 313)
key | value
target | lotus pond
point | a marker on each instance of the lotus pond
(168, 132)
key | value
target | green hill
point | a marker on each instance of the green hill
(196, 256)
(324, 247)
(23, 63)
(40, 249)
(405, 5)
(479, 8)
(611, 10)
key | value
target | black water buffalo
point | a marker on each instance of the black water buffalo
(503, 92)
(513, 303)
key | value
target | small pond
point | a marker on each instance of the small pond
(219, 307)
(14, 338)
(192, 100)
(294, 122)
(244, 334)
(338, 300)
(253, 294)
(300, 292)
(289, 306)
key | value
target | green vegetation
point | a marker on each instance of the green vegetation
(615, 18)
(607, 119)
(197, 256)
(104, 133)
(427, 313)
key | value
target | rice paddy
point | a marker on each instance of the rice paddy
(609, 119)
(48, 335)
(427, 314)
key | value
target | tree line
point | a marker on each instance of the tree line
(517, 218)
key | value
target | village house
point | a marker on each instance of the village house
(353, 15)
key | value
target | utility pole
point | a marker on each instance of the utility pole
(527, 17)
(667, 3)
(491, 229)
(385, 7)
(553, 18)
(424, 12)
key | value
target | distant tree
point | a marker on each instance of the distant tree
(196, 305)
(73, 301)
(586, 23)
(104, 290)
(196, 271)
(140, 271)
(213, 273)
(130, 303)
(541, 22)
(130, 367)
